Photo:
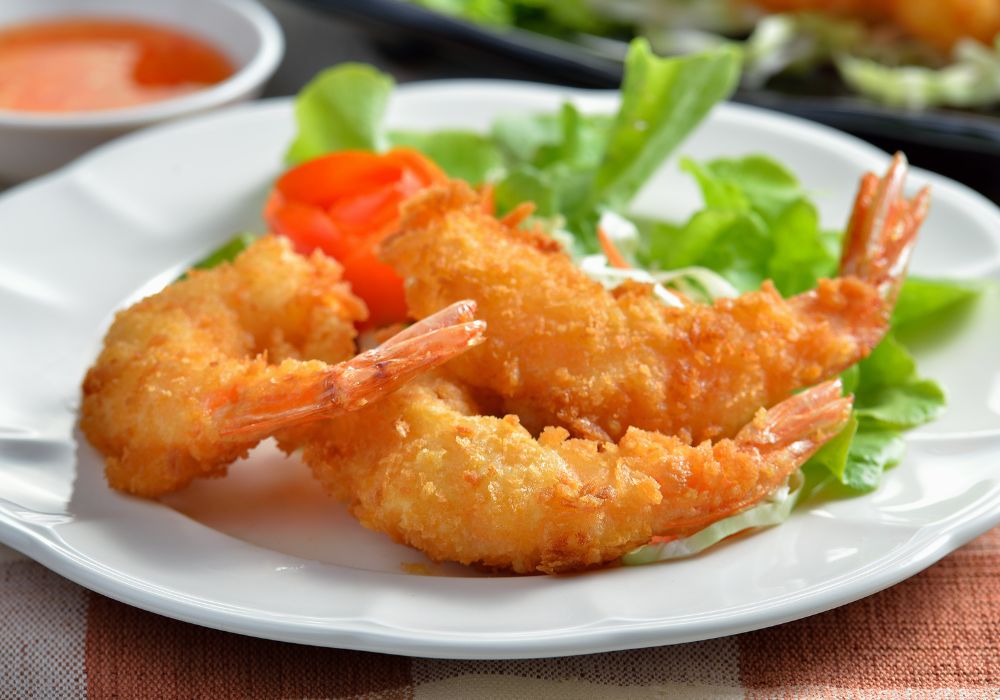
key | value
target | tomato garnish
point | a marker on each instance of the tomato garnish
(378, 284)
(344, 204)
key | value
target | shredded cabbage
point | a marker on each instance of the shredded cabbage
(622, 232)
(972, 80)
(774, 510)
(697, 283)
(893, 71)
(802, 40)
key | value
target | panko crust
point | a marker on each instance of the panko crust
(427, 468)
(562, 350)
(148, 397)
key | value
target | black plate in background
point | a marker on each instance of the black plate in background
(961, 144)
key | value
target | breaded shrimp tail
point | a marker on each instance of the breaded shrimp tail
(426, 468)
(292, 398)
(565, 351)
(883, 230)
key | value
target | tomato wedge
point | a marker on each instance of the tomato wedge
(344, 204)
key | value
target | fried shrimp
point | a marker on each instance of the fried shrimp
(940, 23)
(425, 468)
(944, 22)
(191, 378)
(565, 351)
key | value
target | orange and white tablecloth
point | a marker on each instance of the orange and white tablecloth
(936, 635)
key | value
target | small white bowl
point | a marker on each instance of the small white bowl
(32, 143)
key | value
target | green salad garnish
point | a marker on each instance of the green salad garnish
(757, 223)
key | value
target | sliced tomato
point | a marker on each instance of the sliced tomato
(324, 180)
(309, 228)
(370, 213)
(345, 203)
(417, 163)
(378, 284)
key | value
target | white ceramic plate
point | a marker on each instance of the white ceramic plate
(264, 553)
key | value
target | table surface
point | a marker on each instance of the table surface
(934, 635)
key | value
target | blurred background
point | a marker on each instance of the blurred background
(921, 76)
(414, 43)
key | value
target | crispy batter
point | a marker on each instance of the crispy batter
(174, 357)
(425, 467)
(564, 351)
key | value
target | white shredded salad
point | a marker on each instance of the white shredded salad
(696, 283)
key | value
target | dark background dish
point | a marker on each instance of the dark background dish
(963, 145)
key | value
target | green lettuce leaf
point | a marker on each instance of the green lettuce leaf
(343, 108)
(578, 165)
(563, 18)
(972, 79)
(733, 243)
(903, 406)
(889, 398)
(834, 455)
(226, 252)
(527, 185)
(922, 299)
(888, 365)
(872, 452)
(462, 154)
(757, 224)
(546, 140)
(550, 160)
(340, 109)
(489, 12)
(801, 255)
(663, 100)
(755, 183)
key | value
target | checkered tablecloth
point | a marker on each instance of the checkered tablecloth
(936, 635)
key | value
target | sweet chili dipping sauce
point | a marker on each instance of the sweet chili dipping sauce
(73, 65)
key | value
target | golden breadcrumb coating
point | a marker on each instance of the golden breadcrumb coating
(425, 467)
(173, 358)
(562, 350)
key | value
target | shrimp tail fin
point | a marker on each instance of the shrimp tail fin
(883, 229)
(776, 443)
(796, 428)
(348, 386)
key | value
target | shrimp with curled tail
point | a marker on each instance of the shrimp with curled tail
(565, 351)
(424, 467)
(191, 378)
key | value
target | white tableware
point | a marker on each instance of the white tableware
(32, 143)
(264, 552)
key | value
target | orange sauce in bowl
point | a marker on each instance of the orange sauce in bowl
(73, 65)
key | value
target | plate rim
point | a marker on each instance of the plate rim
(43, 544)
